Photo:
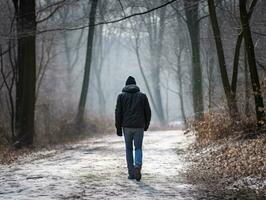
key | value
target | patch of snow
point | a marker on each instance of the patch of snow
(249, 182)
(96, 169)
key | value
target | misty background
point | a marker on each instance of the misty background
(168, 46)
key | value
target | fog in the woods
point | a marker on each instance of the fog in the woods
(63, 63)
(118, 62)
(202, 65)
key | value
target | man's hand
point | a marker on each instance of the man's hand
(119, 132)
(146, 128)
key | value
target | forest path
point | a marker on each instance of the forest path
(96, 169)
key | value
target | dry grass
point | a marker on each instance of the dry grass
(60, 132)
(226, 152)
(234, 158)
(219, 125)
(66, 130)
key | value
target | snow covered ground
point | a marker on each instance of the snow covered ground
(96, 169)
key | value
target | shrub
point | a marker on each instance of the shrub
(218, 125)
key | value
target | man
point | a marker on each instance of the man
(133, 114)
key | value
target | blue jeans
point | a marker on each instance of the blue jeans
(133, 135)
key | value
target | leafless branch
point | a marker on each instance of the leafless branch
(108, 22)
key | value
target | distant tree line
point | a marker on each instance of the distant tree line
(223, 39)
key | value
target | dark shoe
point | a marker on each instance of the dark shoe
(137, 173)
(131, 177)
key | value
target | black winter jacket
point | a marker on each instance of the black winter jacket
(132, 109)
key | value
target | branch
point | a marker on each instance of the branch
(108, 22)
(252, 7)
(51, 5)
(237, 50)
(261, 66)
(202, 17)
(51, 14)
(257, 33)
(122, 7)
(179, 14)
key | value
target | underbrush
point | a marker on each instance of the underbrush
(55, 134)
(228, 154)
(218, 125)
(67, 130)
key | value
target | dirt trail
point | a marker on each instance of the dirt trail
(96, 169)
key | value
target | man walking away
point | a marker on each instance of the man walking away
(133, 115)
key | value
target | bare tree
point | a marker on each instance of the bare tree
(87, 68)
(192, 19)
(155, 25)
(100, 52)
(179, 74)
(26, 75)
(231, 102)
(251, 58)
(9, 83)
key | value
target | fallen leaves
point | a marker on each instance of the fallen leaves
(227, 152)
(226, 162)
(8, 156)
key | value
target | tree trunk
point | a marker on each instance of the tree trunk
(237, 50)
(180, 87)
(26, 76)
(235, 64)
(191, 10)
(211, 67)
(97, 68)
(251, 58)
(247, 95)
(87, 68)
(157, 94)
(156, 52)
(220, 54)
(167, 98)
(153, 103)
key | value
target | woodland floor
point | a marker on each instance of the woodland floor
(96, 169)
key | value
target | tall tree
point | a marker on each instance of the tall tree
(251, 58)
(100, 52)
(26, 75)
(154, 24)
(179, 46)
(156, 29)
(136, 47)
(72, 51)
(237, 51)
(87, 68)
(98, 61)
(179, 74)
(247, 85)
(230, 97)
(192, 19)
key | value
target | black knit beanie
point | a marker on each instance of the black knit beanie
(130, 80)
